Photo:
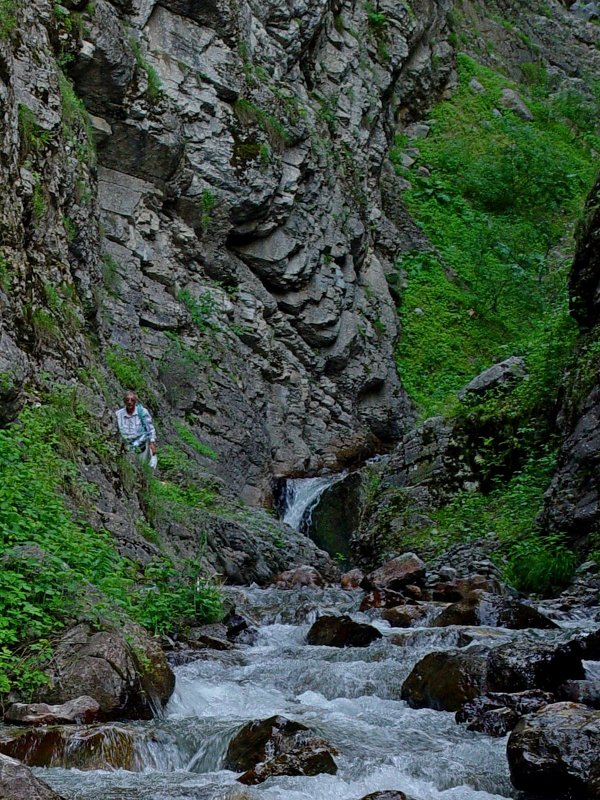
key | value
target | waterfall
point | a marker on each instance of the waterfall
(301, 497)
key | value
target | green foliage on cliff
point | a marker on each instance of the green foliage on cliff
(56, 569)
(502, 195)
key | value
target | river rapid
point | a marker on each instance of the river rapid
(350, 696)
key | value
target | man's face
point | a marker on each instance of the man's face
(130, 401)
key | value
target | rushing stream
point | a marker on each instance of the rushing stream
(349, 696)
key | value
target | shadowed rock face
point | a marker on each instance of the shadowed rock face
(573, 500)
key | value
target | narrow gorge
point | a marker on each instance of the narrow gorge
(347, 256)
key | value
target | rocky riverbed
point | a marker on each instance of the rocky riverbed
(315, 691)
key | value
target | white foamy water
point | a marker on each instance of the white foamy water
(349, 696)
(302, 495)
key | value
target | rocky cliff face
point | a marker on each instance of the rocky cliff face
(572, 501)
(228, 237)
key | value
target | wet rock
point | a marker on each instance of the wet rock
(17, 782)
(388, 794)
(341, 632)
(453, 591)
(396, 573)
(446, 681)
(300, 576)
(406, 616)
(483, 608)
(82, 710)
(277, 746)
(381, 598)
(214, 637)
(125, 671)
(555, 752)
(496, 713)
(352, 579)
(238, 625)
(87, 748)
(311, 758)
(585, 692)
(522, 665)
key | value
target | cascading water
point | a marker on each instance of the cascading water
(301, 496)
(351, 697)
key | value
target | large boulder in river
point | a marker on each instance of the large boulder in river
(447, 680)
(520, 665)
(342, 631)
(125, 671)
(278, 746)
(482, 608)
(388, 794)
(396, 573)
(17, 782)
(556, 752)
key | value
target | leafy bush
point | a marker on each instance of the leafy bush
(543, 565)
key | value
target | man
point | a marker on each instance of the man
(136, 429)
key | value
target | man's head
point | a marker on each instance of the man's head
(130, 401)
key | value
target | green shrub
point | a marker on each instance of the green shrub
(189, 438)
(543, 565)
(502, 194)
(8, 18)
(131, 371)
(33, 136)
(200, 308)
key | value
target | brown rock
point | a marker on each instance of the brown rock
(82, 710)
(278, 746)
(446, 681)
(396, 573)
(352, 579)
(300, 576)
(405, 616)
(341, 632)
(88, 748)
(497, 713)
(389, 794)
(459, 589)
(312, 758)
(381, 598)
(555, 752)
(125, 671)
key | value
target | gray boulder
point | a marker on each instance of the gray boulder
(125, 671)
(17, 782)
(82, 710)
(498, 377)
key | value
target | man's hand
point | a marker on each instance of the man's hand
(153, 448)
